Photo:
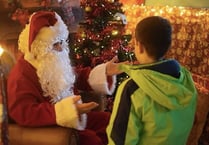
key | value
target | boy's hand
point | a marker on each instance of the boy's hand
(112, 67)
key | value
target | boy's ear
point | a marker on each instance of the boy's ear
(141, 47)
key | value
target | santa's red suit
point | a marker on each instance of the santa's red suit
(29, 101)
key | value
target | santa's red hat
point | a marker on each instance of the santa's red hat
(44, 28)
(39, 20)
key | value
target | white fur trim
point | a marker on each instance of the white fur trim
(98, 80)
(67, 116)
(23, 40)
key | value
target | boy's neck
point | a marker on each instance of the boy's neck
(148, 60)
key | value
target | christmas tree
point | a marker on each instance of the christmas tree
(101, 36)
(102, 33)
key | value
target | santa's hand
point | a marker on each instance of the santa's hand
(84, 107)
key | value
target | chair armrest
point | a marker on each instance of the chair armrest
(53, 135)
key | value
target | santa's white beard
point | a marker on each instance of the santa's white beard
(56, 75)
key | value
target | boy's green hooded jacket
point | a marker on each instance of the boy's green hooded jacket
(155, 106)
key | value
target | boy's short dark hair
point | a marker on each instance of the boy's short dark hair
(155, 33)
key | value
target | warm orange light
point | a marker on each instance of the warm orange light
(1, 51)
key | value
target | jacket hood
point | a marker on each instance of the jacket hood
(168, 91)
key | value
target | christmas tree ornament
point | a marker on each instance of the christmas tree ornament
(21, 15)
(88, 9)
(120, 17)
(111, 1)
(115, 32)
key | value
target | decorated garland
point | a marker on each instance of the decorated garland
(21, 14)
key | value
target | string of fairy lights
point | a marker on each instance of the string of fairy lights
(190, 32)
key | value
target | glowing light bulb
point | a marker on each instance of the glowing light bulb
(1, 50)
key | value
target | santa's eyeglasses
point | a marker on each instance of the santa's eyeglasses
(58, 45)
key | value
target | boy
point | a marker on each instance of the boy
(156, 105)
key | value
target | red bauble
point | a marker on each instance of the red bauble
(21, 15)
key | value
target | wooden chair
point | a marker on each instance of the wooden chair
(13, 134)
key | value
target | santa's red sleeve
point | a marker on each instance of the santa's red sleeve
(95, 79)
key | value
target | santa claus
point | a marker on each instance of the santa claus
(41, 85)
